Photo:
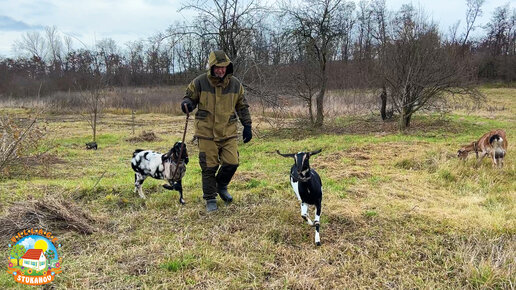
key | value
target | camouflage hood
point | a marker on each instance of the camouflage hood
(219, 58)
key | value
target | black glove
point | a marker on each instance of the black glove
(189, 106)
(247, 134)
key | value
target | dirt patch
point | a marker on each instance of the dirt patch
(331, 157)
(144, 137)
(331, 161)
(360, 156)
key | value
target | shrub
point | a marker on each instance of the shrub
(18, 139)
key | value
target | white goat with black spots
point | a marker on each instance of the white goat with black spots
(160, 166)
(308, 187)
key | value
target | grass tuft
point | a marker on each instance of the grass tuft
(179, 264)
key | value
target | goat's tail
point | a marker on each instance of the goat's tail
(136, 152)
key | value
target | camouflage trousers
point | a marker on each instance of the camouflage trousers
(213, 154)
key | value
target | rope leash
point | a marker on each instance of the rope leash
(182, 142)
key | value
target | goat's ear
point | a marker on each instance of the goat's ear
(315, 152)
(285, 155)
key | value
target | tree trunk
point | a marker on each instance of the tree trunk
(310, 111)
(405, 117)
(95, 126)
(320, 109)
(383, 109)
(320, 98)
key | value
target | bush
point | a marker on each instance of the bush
(18, 139)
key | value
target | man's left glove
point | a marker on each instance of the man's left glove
(247, 134)
(189, 106)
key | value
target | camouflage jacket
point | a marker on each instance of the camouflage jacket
(219, 101)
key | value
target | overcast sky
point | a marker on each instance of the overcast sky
(130, 20)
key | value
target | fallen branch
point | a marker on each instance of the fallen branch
(48, 213)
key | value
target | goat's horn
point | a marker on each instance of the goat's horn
(315, 152)
(284, 155)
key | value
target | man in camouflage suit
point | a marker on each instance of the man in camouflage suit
(219, 97)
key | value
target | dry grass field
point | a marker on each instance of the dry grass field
(399, 210)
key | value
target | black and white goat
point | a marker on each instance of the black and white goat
(160, 166)
(308, 187)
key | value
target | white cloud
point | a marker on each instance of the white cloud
(28, 243)
(90, 21)
(130, 20)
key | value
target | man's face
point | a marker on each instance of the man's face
(219, 71)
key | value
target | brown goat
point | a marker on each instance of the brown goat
(492, 143)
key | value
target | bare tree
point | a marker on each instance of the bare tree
(418, 68)
(474, 10)
(501, 31)
(109, 57)
(316, 27)
(55, 47)
(379, 33)
(365, 31)
(95, 100)
(344, 46)
(452, 31)
(229, 22)
(32, 44)
(498, 47)
(305, 85)
(91, 86)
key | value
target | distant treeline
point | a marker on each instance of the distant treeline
(262, 43)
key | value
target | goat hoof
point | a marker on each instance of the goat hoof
(182, 201)
(167, 186)
(318, 244)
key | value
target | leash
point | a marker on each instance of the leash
(182, 142)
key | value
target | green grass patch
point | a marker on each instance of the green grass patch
(179, 264)
(399, 209)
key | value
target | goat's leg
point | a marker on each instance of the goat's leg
(317, 223)
(304, 213)
(179, 187)
(135, 183)
(175, 186)
(481, 158)
(499, 162)
(139, 179)
(493, 155)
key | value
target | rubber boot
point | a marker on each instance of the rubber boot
(223, 178)
(211, 205)
(209, 183)
(209, 186)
